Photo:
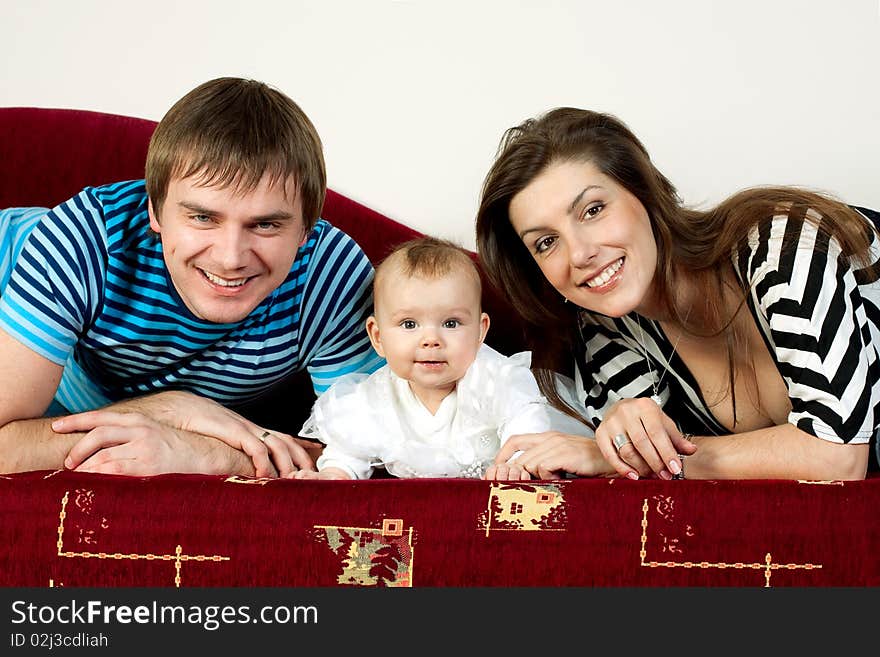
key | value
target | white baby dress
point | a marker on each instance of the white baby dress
(367, 421)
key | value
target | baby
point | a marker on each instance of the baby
(445, 402)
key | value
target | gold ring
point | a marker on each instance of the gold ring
(620, 440)
(265, 435)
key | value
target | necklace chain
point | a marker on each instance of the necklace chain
(655, 382)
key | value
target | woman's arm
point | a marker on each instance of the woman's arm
(782, 452)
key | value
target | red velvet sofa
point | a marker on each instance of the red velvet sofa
(68, 529)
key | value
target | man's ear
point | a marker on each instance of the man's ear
(484, 326)
(373, 333)
(154, 221)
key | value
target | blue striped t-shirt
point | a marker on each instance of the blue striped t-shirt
(85, 285)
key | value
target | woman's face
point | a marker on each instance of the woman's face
(591, 238)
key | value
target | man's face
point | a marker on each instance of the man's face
(225, 250)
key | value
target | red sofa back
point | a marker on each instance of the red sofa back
(49, 155)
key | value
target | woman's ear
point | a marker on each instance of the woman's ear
(374, 335)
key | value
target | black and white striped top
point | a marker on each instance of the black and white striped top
(820, 318)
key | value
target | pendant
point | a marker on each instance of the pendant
(656, 399)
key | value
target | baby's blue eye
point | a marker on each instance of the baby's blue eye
(408, 324)
(451, 323)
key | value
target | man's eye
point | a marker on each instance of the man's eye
(201, 218)
(267, 225)
(451, 323)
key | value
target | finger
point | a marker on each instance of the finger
(516, 443)
(524, 475)
(91, 419)
(278, 453)
(489, 474)
(93, 442)
(547, 472)
(258, 452)
(642, 443)
(298, 454)
(501, 472)
(610, 451)
(629, 455)
(109, 461)
(660, 438)
(682, 444)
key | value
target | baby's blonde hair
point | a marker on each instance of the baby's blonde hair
(426, 257)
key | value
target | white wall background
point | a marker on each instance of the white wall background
(411, 96)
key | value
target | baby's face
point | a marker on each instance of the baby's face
(429, 329)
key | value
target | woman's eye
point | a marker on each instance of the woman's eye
(451, 323)
(543, 244)
(593, 210)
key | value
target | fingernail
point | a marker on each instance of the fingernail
(674, 467)
(57, 424)
(632, 475)
(664, 474)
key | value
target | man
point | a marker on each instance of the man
(161, 301)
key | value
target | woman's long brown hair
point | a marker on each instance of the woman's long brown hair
(690, 243)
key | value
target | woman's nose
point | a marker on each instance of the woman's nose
(582, 251)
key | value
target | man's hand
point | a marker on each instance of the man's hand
(269, 450)
(272, 453)
(134, 444)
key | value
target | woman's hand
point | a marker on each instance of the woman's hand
(550, 454)
(637, 438)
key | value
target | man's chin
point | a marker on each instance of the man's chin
(225, 313)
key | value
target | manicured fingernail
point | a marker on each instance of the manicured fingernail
(674, 467)
(664, 474)
(632, 475)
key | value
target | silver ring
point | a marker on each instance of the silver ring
(620, 440)
(265, 435)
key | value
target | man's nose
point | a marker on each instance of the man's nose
(230, 248)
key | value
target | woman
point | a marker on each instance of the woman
(739, 342)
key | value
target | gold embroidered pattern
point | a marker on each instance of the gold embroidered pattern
(666, 506)
(371, 556)
(236, 479)
(524, 507)
(84, 501)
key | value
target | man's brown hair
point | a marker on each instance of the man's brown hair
(232, 132)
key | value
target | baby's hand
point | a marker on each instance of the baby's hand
(506, 472)
(327, 473)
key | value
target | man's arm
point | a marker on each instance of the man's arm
(28, 382)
